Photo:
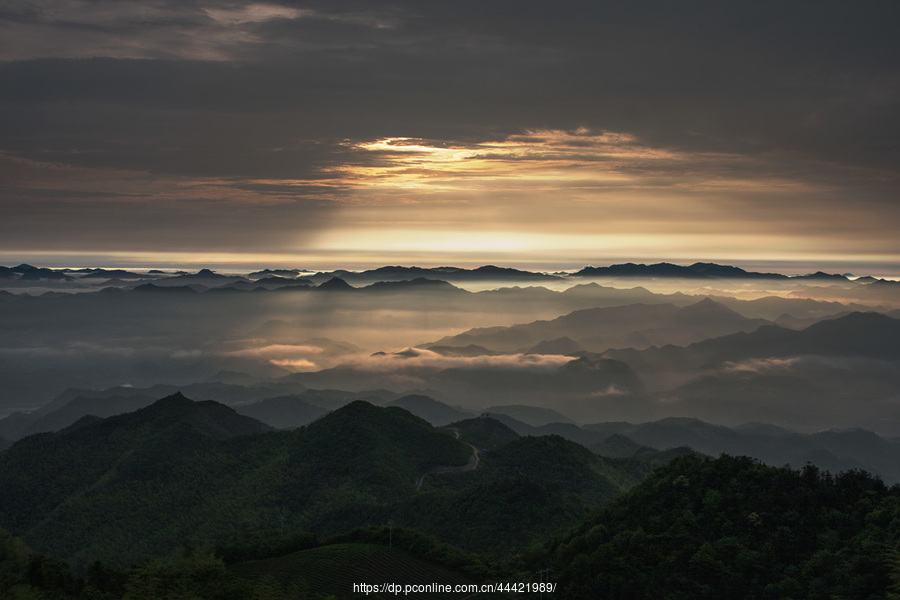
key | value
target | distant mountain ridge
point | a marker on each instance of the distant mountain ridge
(394, 273)
(833, 450)
(448, 274)
(699, 270)
(836, 371)
(597, 329)
(435, 412)
(867, 334)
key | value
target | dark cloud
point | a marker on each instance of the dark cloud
(274, 90)
(728, 76)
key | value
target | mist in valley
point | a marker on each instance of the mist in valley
(794, 352)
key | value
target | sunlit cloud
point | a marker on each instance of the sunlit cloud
(587, 194)
(424, 131)
(295, 364)
(761, 365)
(253, 13)
(612, 390)
(807, 363)
(278, 351)
(555, 159)
(420, 358)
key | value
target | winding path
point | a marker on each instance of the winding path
(471, 465)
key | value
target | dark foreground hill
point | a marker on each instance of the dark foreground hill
(696, 528)
(178, 472)
(334, 568)
(135, 485)
(733, 528)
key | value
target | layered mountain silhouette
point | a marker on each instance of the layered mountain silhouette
(698, 270)
(283, 412)
(839, 371)
(598, 329)
(450, 274)
(435, 412)
(869, 335)
(26, 272)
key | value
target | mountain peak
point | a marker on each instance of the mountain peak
(335, 284)
(709, 306)
(176, 399)
(419, 283)
(211, 418)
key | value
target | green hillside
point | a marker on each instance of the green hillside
(178, 473)
(523, 490)
(484, 432)
(137, 485)
(734, 528)
(335, 568)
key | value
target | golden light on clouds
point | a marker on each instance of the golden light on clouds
(335, 134)
(538, 157)
(549, 192)
(542, 197)
(575, 193)
(559, 160)
(253, 13)
(553, 172)
(553, 247)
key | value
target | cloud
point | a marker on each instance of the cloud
(750, 118)
(549, 191)
(296, 364)
(730, 79)
(137, 29)
(291, 356)
(762, 365)
(253, 13)
(278, 351)
(612, 390)
(808, 363)
(580, 161)
(310, 356)
(419, 358)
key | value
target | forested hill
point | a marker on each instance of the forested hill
(734, 528)
(138, 485)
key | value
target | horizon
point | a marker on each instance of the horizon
(789, 268)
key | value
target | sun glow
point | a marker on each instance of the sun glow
(550, 157)
(582, 194)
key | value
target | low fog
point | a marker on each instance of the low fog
(593, 348)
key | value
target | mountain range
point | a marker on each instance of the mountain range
(135, 485)
(598, 329)
(493, 408)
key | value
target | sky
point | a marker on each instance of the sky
(541, 134)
